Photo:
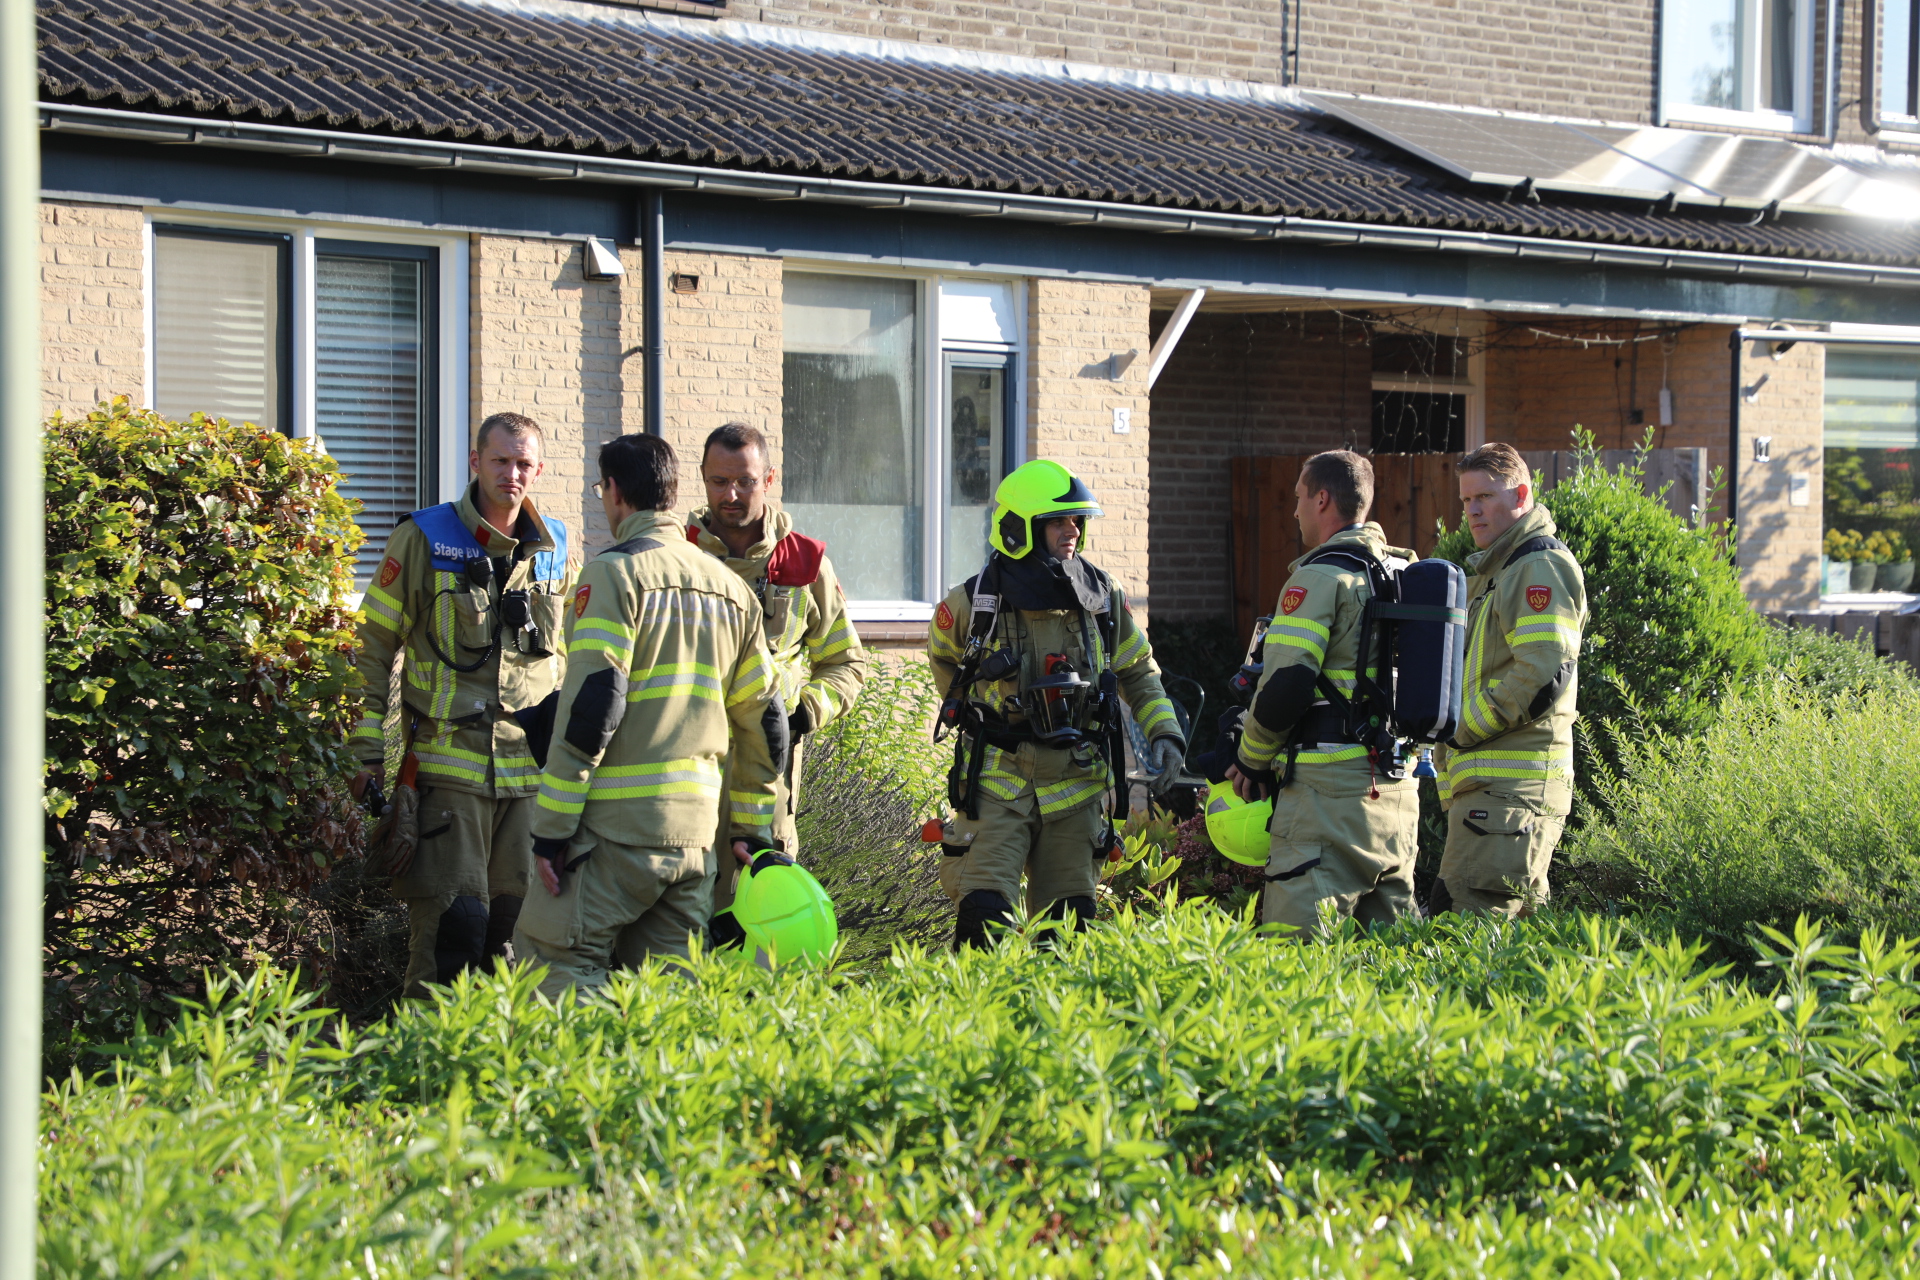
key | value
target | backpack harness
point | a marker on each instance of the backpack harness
(453, 548)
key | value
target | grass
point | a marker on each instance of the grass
(1167, 1095)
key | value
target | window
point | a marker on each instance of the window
(898, 426)
(1738, 62)
(1900, 63)
(311, 336)
(1420, 391)
(1872, 443)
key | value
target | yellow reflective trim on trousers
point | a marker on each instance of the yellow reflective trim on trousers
(1509, 764)
(1069, 793)
(454, 765)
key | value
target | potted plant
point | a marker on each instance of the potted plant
(1865, 568)
(1896, 571)
(1839, 551)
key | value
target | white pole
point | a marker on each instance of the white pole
(1170, 336)
(22, 675)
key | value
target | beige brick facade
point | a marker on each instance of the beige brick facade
(723, 355)
(92, 305)
(1780, 542)
(1075, 328)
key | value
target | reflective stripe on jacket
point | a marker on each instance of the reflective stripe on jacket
(468, 739)
(667, 671)
(1525, 618)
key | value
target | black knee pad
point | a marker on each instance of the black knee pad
(503, 913)
(1081, 907)
(723, 932)
(461, 938)
(977, 910)
(1439, 902)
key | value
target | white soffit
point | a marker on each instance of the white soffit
(976, 311)
(1716, 169)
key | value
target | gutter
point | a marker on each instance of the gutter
(550, 166)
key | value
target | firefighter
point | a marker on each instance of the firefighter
(1506, 776)
(818, 662)
(1032, 656)
(1344, 831)
(668, 684)
(474, 591)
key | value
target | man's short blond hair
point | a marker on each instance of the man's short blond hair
(514, 424)
(1345, 475)
(1501, 461)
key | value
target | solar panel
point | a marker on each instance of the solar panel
(1722, 170)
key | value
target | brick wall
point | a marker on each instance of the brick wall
(723, 356)
(1539, 389)
(1779, 542)
(92, 306)
(1073, 328)
(1239, 386)
(549, 343)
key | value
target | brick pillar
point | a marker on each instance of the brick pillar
(1074, 329)
(1780, 542)
(549, 343)
(92, 306)
(723, 354)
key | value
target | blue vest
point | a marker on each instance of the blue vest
(452, 545)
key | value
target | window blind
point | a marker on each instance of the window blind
(371, 385)
(219, 326)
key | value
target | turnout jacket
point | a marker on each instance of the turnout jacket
(665, 664)
(1315, 632)
(1525, 615)
(1058, 781)
(817, 658)
(467, 739)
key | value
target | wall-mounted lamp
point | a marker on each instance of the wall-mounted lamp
(602, 261)
(1763, 448)
(1778, 349)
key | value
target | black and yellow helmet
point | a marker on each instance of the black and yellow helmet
(1039, 491)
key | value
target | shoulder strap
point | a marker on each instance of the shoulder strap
(449, 542)
(1545, 542)
(552, 564)
(632, 546)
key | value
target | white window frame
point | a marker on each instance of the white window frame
(451, 341)
(1894, 126)
(932, 348)
(1800, 120)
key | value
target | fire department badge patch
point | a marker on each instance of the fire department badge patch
(943, 617)
(389, 571)
(1292, 599)
(1538, 598)
(580, 600)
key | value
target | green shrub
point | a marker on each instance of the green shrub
(1671, 632)
(198, 668)
(1791, 801)
(1168, 1094)
(1824, 663)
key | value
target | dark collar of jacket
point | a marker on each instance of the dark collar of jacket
(1536, 522)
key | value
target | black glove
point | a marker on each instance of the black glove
(799, 721)
(763, 852)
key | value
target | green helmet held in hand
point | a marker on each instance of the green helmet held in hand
(1238, 828)
(1039, 491)
(785, 913)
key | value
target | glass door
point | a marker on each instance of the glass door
(976, 396)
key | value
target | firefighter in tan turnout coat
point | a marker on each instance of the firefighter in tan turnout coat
(1506, 777)
(473, 591)
(818, 662)
(669, 688)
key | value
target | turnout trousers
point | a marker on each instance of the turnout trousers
(1056, 853)
(1499, 846)
(624, 903)
(1333, 842)
(464, 889)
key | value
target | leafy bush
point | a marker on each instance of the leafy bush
(197, 703)
(1671, 632)
(1824, 663)
(1790, 802)
(1440, 1099)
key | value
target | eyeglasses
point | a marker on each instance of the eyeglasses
(598, 491)
(745, 484)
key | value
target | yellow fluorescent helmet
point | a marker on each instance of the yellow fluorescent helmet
(1238, 829)
(786, 914)
(1038, 491)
